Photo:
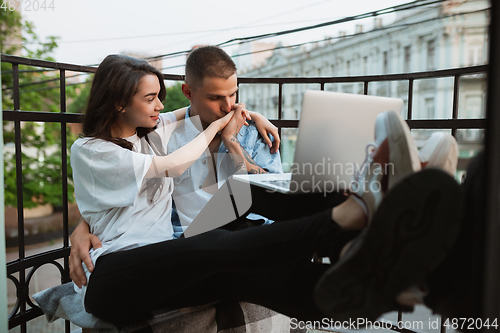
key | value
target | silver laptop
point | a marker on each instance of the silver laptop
(334, 129)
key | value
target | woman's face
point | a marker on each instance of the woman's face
(144, 108)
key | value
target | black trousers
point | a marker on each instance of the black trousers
(269, 265)
(456, 287)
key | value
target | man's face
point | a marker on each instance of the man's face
(213, 99)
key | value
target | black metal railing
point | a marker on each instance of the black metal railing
(452, 124)
(24, 309)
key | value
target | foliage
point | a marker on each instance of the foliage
(79, 103)
(175, 98)
(39, 91)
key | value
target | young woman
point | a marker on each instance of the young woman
(123, 186)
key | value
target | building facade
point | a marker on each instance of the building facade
(451, 34)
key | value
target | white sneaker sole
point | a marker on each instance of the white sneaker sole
(403, 152)
(445, 156)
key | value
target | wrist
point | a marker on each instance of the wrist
(255, 115)
(213, 129)
(230, 140)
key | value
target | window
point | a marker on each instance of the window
(386, 62)
(473, 107)
(275, 100)
(475, 55)
(429, 108)
(431, 52)
(332, 70)
(365, 65)
(407, 63)
(348, 68)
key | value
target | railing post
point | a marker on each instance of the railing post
(22, 292)
(280, 106)
(456, 87)
(64, 169)
(443, 328)
(410, 99)
(238, 93)
(491, 291)
(3, 268)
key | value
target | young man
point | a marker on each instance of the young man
(211, 87)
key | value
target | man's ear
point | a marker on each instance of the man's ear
(186, 90)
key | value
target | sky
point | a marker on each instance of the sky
(91, 29)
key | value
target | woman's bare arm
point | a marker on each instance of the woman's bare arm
(175, 164)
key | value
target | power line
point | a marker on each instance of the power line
(259, 20)
(343, 20)
(401, 25)
(407, 6)
(404, 25)
(181, 33)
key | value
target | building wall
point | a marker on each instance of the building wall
(255, 55)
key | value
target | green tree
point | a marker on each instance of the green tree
(39, 91)
(79, 103)
(175, 98)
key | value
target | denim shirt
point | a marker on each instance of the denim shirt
(189, 197)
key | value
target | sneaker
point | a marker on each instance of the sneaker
(392, 157)
(440, 151)
(410, 235)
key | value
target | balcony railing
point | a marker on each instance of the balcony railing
(24, 309)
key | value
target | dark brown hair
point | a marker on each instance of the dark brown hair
(208, 61)
(115, 83)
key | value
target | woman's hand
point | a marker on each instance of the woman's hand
(230, 132)
(237, 106)
(81, 242)
(265, 127)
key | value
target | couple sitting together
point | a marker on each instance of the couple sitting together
(132, 161)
